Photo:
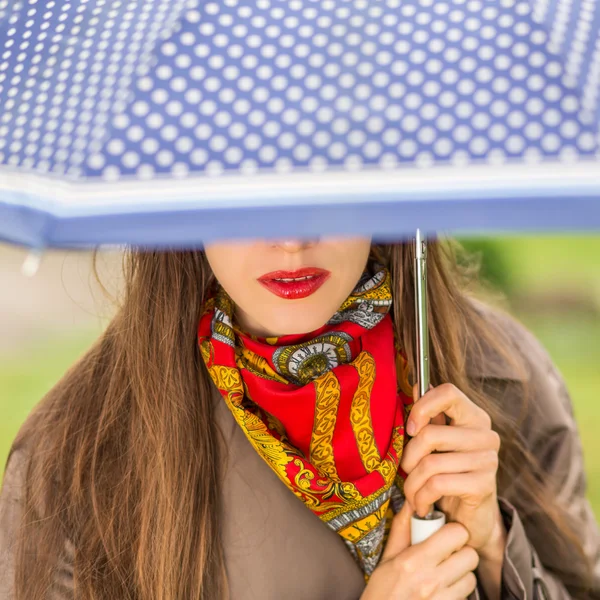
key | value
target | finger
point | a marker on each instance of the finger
(442, 544)
(444, 438)
(457, 565)
(474, 486)
(459, 590)
(399, 536)
(449, 462)
(448, 399)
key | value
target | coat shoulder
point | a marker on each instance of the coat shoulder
(12, 499)
(537, 395)
(485, 361)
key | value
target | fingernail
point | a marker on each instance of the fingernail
(411, 428)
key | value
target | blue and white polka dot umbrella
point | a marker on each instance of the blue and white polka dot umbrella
(171, 122)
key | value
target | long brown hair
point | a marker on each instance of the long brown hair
(125, 464)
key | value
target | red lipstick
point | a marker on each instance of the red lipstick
(295, 284)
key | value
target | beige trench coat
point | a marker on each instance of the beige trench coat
(276, 548)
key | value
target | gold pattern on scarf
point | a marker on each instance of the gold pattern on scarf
(327, 392)
(207, 351)
(387, 468)
(398, 441)
(358, 529)
(360, 412)
(380, 292)
(314, 498)
(223, 329)
(256, 364)
(276, 425)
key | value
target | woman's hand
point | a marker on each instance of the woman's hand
(440, 568)
(461, 477)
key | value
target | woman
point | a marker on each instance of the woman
(207, 446)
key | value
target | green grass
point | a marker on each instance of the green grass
(535, 261)
(526, 263)
(27, 374)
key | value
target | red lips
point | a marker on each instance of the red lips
(304, 282)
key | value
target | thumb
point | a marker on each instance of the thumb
(399, 537)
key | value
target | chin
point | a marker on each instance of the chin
(298, 321)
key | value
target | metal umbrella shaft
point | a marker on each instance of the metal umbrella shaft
(421, 313)
(422, 528)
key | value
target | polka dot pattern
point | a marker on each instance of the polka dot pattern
(111, 90)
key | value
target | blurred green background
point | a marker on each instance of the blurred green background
(551, 283)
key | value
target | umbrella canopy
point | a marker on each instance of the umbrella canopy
(171, 122)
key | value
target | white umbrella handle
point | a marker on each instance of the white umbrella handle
(422, 528)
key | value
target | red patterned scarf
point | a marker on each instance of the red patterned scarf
(323, 409)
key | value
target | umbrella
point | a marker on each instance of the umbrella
(172, 122)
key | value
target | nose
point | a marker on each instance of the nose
(294, 245)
